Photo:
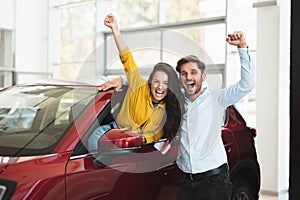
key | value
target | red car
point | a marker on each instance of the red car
(45, 151)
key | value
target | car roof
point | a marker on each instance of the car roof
(59, 82)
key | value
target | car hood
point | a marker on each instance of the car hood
(6, 161)
(2, 167)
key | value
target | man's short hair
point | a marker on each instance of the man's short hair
(190, 58)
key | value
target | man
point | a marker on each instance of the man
(201, 155)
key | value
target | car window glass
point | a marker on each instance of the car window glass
(34, 118)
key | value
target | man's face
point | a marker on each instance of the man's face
(191, 79)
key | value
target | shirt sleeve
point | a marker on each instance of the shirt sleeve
(237, 91)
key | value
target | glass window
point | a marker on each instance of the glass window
(181, 10)
(153, 12)
(77, 32)
(206, 42)
(72, 36)
(6, 78)
(68, 1)
(137, 13)
(168, 45)
(69, 70)
(24, 77)
(145, 47)
(242, 16)
(6, 48)
(7, 58)
(209, 39)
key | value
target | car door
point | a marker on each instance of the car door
(84, 179)
(146, 173)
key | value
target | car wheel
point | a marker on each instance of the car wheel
(241, 190)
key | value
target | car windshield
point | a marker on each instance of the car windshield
(34, 118)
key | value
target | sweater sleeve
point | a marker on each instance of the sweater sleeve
(153, 129)
(131, 70)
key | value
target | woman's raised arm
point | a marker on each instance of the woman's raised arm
(111, 22)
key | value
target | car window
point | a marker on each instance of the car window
(34, 118)
(104, 122)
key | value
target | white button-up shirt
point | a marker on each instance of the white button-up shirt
(201, 147)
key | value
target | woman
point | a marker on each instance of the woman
(151, 108)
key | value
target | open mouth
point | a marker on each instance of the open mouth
(159, 93)
(190, 85)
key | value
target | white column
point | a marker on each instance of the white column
(284, 94)
(54, 39)
(7, 14)
(272, 94)
(104, 7)
(31, 35)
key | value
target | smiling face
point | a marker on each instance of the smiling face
(191, 79)
(159, 86)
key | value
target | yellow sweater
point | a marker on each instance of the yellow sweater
(137, 112)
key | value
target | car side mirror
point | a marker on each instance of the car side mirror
(117, 139)
(117, 142)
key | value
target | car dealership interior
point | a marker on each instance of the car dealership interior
(66, 39)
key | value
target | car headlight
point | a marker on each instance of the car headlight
(7, 188)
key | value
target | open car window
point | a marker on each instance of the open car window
(106, 121)
(115, 146)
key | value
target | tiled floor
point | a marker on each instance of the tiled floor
(284, 196)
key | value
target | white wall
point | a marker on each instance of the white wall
(7, 14)
(31, 35)
(272, 95)
(284, 94)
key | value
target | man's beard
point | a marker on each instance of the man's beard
(197, 90)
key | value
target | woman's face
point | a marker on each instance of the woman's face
(159, 86)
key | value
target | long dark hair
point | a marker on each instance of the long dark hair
(174, 100)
